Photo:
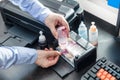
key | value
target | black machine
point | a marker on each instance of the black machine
(86, 55)
(14, 17)
(24, 30)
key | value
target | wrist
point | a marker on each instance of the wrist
(37, 57)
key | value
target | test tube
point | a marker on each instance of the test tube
(62, 37)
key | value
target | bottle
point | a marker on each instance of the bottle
(82, 30)
(93, 34)
(42, 41)
(62, 37)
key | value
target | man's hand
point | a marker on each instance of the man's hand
(53, 20)
(47, 58)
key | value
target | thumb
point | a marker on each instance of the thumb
(54, 31)
(54, 53)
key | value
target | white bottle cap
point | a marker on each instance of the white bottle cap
(42, 38)
(82, 23)
(93, 23)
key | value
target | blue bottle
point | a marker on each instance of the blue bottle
(82, 30)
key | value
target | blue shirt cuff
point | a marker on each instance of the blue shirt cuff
(16, 55)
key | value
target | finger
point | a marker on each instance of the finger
(64, 23)
(50, 58)
(54, 31)
(54, 61)
(51, 49)
(67, 29)
(53, 53)
(46, 49)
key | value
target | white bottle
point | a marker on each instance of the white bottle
(82, 30)
(93, 34)
(62, 37)
(42, 40)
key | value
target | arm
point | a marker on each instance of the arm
(20, 55)
(43, 14)
(33, 7)
(16, 55)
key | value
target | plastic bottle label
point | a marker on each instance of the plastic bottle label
(83, 33)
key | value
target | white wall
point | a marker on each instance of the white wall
(100, 9)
